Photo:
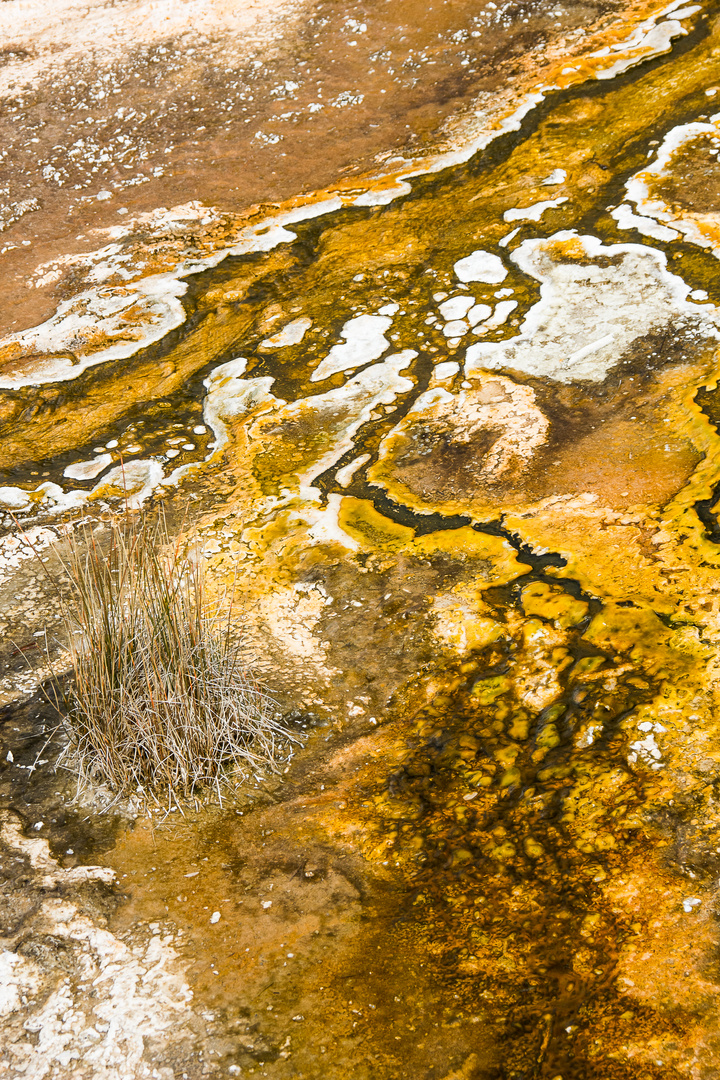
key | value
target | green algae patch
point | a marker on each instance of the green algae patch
(373, 530)
(553, 603)
(485, 691)
(502, 561)
(492, 558)
(280, 464)
(640, 635)
(627, 628)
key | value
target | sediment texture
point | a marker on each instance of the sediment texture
(452, 429)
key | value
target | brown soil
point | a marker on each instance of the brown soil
(195, 127)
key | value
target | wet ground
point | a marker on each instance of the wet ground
(233, 110)
(447, 431)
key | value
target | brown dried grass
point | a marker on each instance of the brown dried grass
(161, 703)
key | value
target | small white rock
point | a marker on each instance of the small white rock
(215, 917)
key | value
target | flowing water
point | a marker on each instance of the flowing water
(447, 432)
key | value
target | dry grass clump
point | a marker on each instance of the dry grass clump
(161, 703)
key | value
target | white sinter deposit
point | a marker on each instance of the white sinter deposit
(105, 1004)
(364, 340)
(292, 334)
(339, 413)
(481, 266)
(590, 313)
(696, 227)
(533, 212)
